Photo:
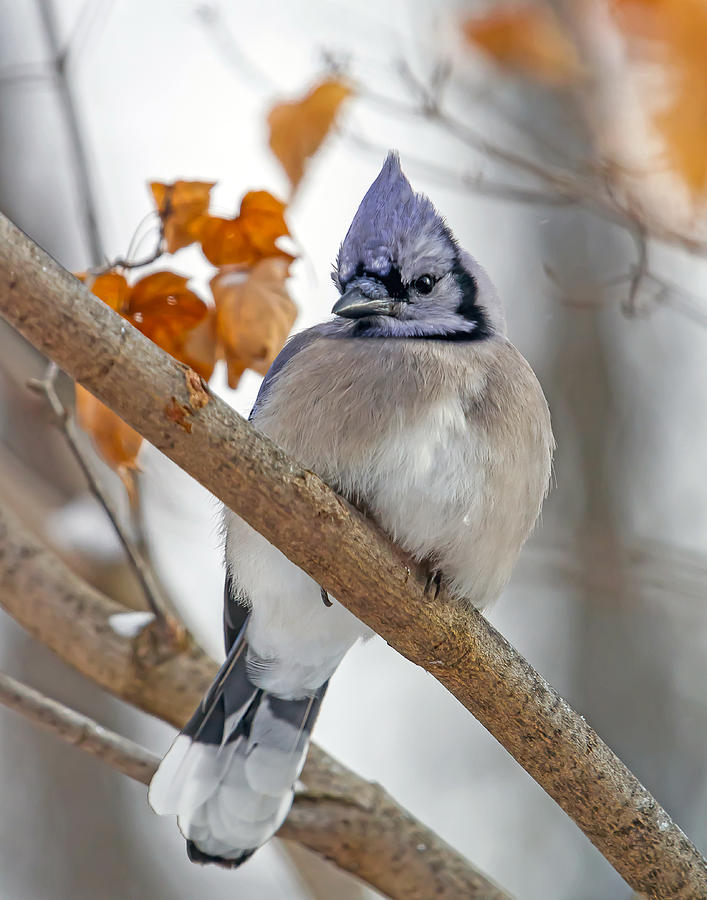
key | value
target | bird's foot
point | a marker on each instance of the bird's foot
(434, 577)
(325, 598)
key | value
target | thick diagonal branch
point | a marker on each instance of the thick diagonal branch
(352, 560)
(350, 821)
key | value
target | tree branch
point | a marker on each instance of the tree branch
(350, 821)
(152, 590)
(84, 189)
(354, 561)
(118, 752)
(594, 193)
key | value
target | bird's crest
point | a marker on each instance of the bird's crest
(391, 220)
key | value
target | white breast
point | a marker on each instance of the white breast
(428, 475)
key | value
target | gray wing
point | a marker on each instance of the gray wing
(289, 351)
(235, 612)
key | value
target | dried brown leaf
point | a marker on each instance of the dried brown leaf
(298, 128)
(248, 238)
(198, 346)
(115, 441)
(165, 310)
(181, 205)
(254, 314)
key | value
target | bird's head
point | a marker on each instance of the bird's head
(401, 273)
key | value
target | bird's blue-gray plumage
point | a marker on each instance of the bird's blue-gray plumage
(390, 215)
(412, 404)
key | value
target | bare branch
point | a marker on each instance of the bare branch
(670, 294)
(474, 183)
(353, 561)
(83, 182)
(87, 25)
(350, 821)
(154, 596)
(216, 26)
(127, 262)
(587, 185)
(640, 269)
(124, 262)
(118, 752)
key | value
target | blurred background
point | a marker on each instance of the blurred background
(566, 143)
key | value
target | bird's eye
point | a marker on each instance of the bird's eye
(424, 284)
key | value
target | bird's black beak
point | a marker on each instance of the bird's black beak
(354, 304)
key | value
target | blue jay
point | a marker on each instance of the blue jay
(413, 405)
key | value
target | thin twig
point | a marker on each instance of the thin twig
(640, 269)
(154, 595)
(474, 183)
(87, 23)
(584, 185)
(430, 108)
(141, 234)
(670, 294)
(589, 192)
(83, 181)
(214, 22)
(125, 262)
(118, 752)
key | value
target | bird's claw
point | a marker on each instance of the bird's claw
(434, 577)
(325, 598)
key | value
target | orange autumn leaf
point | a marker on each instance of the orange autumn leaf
(164, 309)
(224, 242)
(111, 287)
(669, 38)
(180, 206)
(298, 128)
(529, 38)
(254, 314)
(249, 237)
(115, 441)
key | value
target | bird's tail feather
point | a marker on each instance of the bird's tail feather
(229, 776)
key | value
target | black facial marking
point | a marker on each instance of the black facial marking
(468, 308)
(467, 287)
(454, 336)
(397, 289)
(392, 281)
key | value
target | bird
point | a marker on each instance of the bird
(412, 404)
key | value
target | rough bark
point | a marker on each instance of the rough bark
(346, 819)
(350, 557)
